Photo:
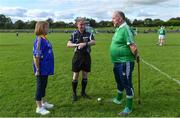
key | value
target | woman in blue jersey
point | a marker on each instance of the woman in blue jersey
(43, 62)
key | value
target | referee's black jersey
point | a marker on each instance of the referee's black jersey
(77, 37)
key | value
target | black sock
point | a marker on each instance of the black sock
(84, 84)
(74, 86)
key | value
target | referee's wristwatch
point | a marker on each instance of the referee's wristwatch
(75, 45)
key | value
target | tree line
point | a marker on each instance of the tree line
(6, 23)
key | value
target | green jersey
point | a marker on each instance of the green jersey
(161, 31)
(133, 30)
(119, 49)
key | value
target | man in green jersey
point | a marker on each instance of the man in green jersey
(123, 53)
(162, 33)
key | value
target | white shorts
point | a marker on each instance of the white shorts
(161, 37)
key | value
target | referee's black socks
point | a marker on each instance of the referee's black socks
(74, 86)
(84, 84)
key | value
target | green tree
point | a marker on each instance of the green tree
(139, 23)
(59, 24)
(19, 24)
(158, 22)
(50, 21)
(148, 22)
(5, 22)
(128, 21)
(92, 22)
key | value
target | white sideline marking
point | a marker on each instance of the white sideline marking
(165, 74)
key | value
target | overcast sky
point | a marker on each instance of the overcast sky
(68, 10)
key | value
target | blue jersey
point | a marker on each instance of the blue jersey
(43, 49)
(78, 37)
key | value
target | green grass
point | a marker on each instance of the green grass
(160, 96)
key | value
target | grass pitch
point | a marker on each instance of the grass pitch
(159, 95)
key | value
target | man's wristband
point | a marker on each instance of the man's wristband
(86, 43)
(75, 45)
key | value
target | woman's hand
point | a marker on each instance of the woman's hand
(37, 73)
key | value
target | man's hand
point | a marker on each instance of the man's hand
(133, 48)
(81, 45)
(137, 58)
(71, 45)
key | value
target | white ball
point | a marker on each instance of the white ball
(99, 99)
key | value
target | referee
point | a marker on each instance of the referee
(81, 41)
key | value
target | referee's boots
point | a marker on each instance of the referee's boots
(84, 84)
(74, 87)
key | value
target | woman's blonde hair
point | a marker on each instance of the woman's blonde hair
(40, 27)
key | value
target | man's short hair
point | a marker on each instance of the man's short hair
(80, 19)
(121, 14)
